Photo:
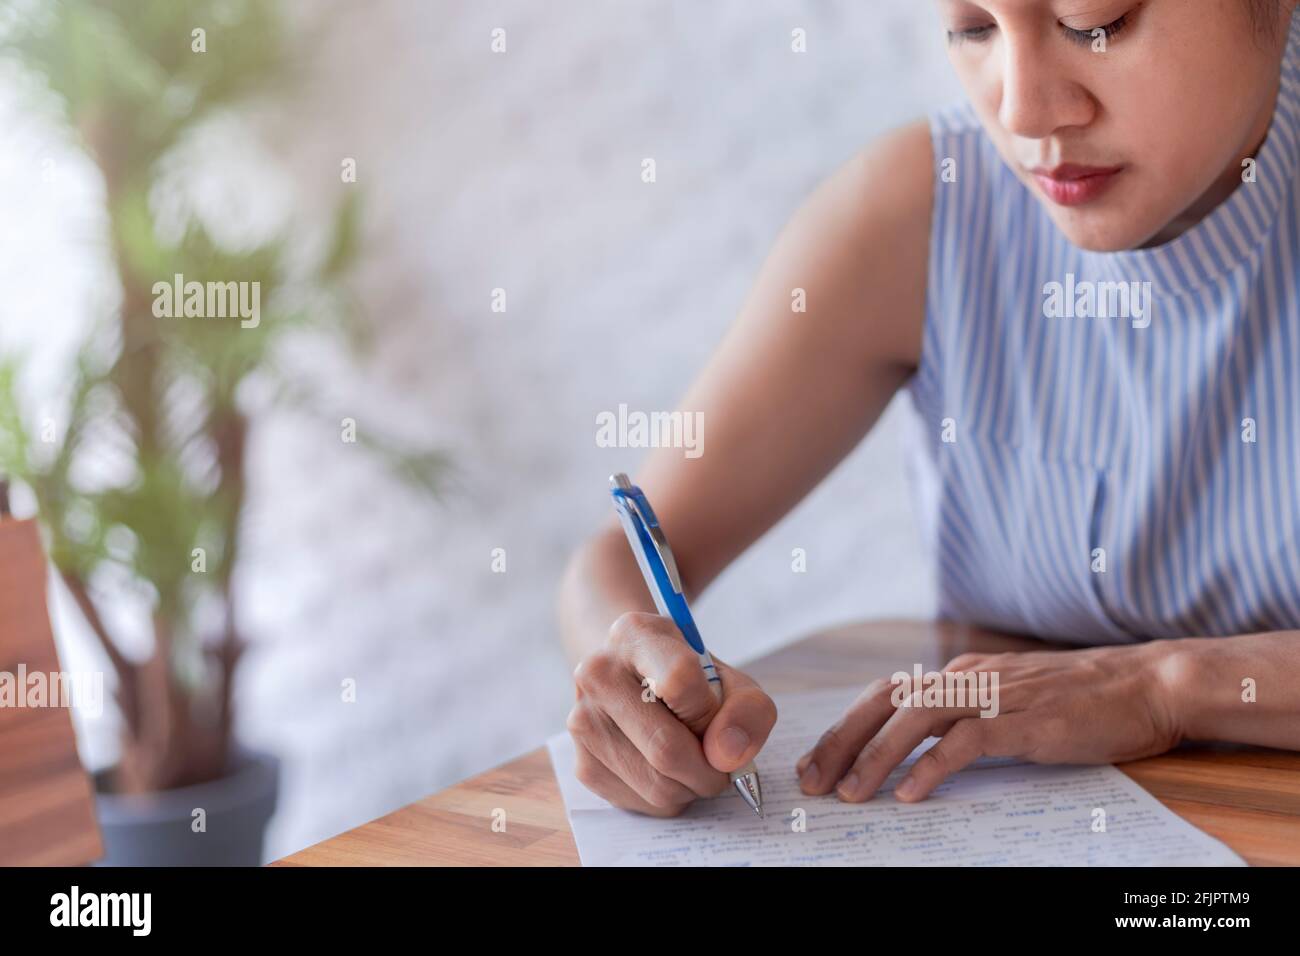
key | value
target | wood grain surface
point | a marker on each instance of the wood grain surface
(47, 815)
(1247, 797)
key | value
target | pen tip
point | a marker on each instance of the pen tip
(747, 786)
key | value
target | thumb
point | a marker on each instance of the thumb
(741, 726)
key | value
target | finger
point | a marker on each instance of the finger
(965, 662)
(741, 726)
(595, 730)
(1013, 735)
(665, 742)
(609, 692)
(603, 782)
(734, 730)
(667, 668)
(958, 748)
(894, 743)
(821, 767)
(1017, 735)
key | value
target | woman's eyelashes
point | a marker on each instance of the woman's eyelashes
(970, 34)
(1088, 37)
(1082, 37)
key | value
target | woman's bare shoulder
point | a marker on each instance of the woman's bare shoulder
(897, 176)
(870, 222)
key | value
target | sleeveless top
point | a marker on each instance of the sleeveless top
(1090, 470)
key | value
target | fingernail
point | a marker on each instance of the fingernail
(848, 787)
(734, 742)
(809, 778)
(907, 789)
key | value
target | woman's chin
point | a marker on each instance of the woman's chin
(1100, 230)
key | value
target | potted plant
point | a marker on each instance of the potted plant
(164, 396)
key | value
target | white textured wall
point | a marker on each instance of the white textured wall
(522, 171)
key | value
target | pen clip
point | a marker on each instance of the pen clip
(634, 501)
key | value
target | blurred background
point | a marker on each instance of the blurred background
(373, 562)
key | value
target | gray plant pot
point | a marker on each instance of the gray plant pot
(158, 829)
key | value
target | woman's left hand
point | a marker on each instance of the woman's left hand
(1098, 705)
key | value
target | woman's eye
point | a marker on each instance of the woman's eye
(970, 35)
(1086, 37)
(1081, 37)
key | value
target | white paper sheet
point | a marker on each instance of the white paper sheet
(996, 812)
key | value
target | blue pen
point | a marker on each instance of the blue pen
(659, 569)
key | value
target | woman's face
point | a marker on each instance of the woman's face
(1128, 119)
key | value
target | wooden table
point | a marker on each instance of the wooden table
(47, 815)
(1247, 797)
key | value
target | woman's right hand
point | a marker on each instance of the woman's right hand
(649, 733)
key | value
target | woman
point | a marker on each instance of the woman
(1087, 279)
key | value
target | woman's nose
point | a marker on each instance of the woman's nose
(1039, 96)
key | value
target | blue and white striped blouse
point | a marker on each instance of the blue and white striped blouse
(1112, 479)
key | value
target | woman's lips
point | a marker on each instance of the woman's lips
(1071, 185)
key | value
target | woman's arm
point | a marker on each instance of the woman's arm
(1242, 689)
(1087, 706)
(786, 396)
